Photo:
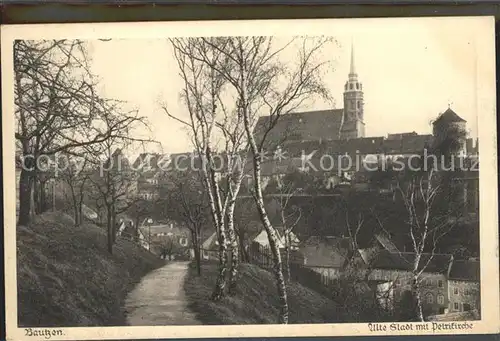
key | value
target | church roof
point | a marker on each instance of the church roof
(449, 116)
(301, 126)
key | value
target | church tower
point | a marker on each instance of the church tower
(353, 125)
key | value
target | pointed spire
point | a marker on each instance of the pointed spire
(353, 68)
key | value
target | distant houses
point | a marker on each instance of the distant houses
(393, 270)
(260, 249)
(168, 240)
(463, 286)
(210, 248)
(326, 255)
(446, 285)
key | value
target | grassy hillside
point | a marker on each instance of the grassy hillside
(66, 277)
(255, 301)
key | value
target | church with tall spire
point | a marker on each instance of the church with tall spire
(323, 125)
(342, 130)
(353, 125)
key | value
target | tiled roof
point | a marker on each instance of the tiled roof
(326, 251)
(466, 270)
(360, 146)
(415, 144)
(393, 146)
(146, 159)
(262, 238)
(210, 243)
(309, 125)
(399, 136)
(404, 261)
(386, 243)
(166, 228)
(449, 116)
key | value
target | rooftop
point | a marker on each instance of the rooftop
(437, 263)
(449, 116)
(465, 270)
(326, 251)
(309, 125)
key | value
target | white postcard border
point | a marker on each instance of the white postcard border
(488, 177)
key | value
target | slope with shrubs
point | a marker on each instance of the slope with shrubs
(66, 277)
(255, 300)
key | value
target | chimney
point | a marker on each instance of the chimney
(449, 266)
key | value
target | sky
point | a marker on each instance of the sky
(411, 71)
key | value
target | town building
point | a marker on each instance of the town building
(168, 240)
(464, 286)
(325, 255)
(334, 142)
(393, 270)
(210, 248)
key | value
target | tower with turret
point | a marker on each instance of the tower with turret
(353, 125)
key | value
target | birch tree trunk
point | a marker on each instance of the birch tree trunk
(287, 253)
(233, 273)
(215, 202)
(419, 315)
(273, 243)
(259, 201)
(109, 223)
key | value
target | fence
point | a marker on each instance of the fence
(299, 273)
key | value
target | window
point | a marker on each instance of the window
(357, 86)
(359, 104)
(183, 241)
(455, 291)
(466, 292)
(428, 282)
(440, 283)
(351, 86)
(440, 299)
(456, 306)
(429, 298)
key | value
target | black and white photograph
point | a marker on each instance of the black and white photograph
(322, 174)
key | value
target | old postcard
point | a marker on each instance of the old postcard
(250, 178)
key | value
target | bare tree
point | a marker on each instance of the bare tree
(57, 109)
(262, 81)
(112, 185)
(210, 117)
(429, 197)
(113, 180)
(76, 175)
(168, 246)
(185, 202)
(425, 228)
(290, 215)
(139, 210)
